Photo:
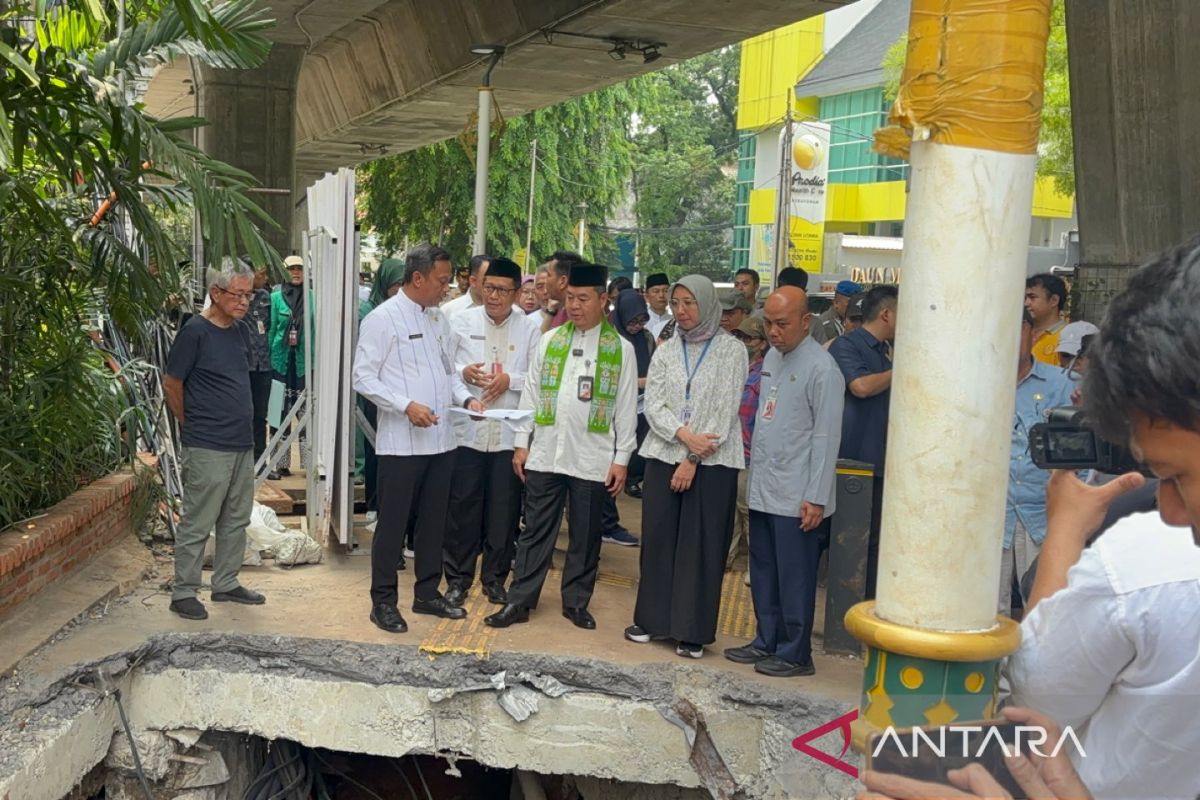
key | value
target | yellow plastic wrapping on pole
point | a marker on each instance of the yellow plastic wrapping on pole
(973, 76)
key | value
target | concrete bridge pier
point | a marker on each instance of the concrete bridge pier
(252, 125)
(1135, 107)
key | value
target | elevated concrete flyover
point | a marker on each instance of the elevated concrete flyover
(349, 80)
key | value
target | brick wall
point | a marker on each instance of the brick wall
(41, 551)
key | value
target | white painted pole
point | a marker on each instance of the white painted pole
(965, 250)
(482, 153)
(529, 219)
(582, 224)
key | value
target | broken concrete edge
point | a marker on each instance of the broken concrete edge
(741, 714)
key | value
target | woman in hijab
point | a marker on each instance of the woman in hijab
(387, 282)
(630, 316)
(693, 455)
(528, 300)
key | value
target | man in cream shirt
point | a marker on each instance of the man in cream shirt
(492, 345)
(582, 390)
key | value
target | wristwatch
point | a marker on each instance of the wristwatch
(693, 458)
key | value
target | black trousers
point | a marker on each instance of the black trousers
(545, 495)
(485, 498)
(260, 392)
(685, 539)
(410, 485)
(370, 460)
(783, 584)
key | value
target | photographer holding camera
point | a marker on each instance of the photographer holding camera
(1112, 636)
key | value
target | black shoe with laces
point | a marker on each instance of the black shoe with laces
(388, 618)
(438, 607)
(239, 594)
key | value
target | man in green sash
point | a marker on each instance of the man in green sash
(582, 390)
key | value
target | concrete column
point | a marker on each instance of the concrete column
(1135, 110)
(252, 125)
(967, 117)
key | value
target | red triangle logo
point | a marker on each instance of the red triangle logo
(842, 723)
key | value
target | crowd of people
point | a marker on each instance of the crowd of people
(524, 399)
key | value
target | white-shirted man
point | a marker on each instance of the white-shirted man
(582, 390)
(403, 366)
(473, 297)
(492, 345)
(657, 286)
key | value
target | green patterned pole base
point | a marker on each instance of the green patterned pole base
(917, 677)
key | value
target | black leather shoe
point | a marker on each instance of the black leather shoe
(634, 489)
(388, 618)
(581, 617)
(274, 475)
(438, 607)
(747, 654)
(496, 593)
(777, 667)
(456, 596)
(511, 614)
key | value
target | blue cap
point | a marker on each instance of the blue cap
(848, 288)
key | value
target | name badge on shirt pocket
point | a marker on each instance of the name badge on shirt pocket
(478, 338)
(412, 336)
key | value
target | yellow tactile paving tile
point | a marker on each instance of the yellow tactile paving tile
(467, 636)
(737, 610)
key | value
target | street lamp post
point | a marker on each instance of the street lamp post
(483, 142)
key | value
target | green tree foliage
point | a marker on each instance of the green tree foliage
(1056, 154)
(684, 164)
(85, 175)
(584, 156)
(655, 145)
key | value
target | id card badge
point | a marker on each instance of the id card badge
(685, 415)
(768, 412)
(262, 329)
(584, 392)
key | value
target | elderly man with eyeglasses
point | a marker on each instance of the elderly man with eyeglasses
(207, 387)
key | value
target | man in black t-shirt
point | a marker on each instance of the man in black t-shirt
(207, 388)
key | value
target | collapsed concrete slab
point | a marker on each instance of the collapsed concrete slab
(671, 726)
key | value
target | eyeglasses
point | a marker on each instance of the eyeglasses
(238, 297)
(489, 289)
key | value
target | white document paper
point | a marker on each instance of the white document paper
(509, 414)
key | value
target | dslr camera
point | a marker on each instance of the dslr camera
(1066, 441)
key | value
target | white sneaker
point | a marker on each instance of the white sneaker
(372, 516)
(408, 553)
(371, 526)
(746, 578)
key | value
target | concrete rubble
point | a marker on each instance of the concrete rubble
(682, 728)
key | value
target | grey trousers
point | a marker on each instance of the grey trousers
(218, 492)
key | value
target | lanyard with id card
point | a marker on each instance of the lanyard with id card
(686, 413)
(768, 412)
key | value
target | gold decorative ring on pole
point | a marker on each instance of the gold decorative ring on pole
(987, 645)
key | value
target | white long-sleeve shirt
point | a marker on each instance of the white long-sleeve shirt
(1116, 655)
(567, 447)
(403, 356)
(464, 302)
(477, 339)
(658, 321)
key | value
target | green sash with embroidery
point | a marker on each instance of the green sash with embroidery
(604, 382)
